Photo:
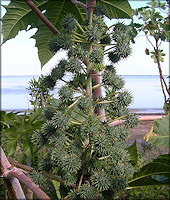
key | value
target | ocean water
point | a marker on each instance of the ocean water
(146, 91)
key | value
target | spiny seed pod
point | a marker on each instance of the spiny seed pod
(38, 178)
(69, 23)
(101, 181)
(59, 120)
(121, 51)
(61, 41)
(69, 179)
(49, 82)
(57, 155)
(53, 45)
(132, 121)
(84, 104)
(87, 192)
(125, 98)
(102, 145)
(90, 128)
(115, 81)
(49, 112)
(73, 194)
(66, 94)
(58, 140)
(57, 73)
(74, 65)
(45, 164)
(92, 34)
(98, 67)
(114, 57)
(119, 184)
(96, 56)
(108, 77)
(99, 23)
(79, 80)
(72, 163)
(106, 40)
(120, 27)
(77, 51)
(38, 138)
(111, 68)
(48, 129)
(63, 64)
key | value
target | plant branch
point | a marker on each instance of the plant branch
(47, 174)
(35, 9)
(80, 4)
(12, 184)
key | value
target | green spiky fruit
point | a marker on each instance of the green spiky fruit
(106, 40)
(57, 73)
(125, 98)
(68, 23)
(49, 112)
(74, 65)
(66, 94)
(38, 178)
(96, 56)
(120, 27)
(92, 34)
(114, 57)
(46, 165)
(79, 80)
(101, 181)
(38, 138)
(132, 120)
(77, 51)
(61, 41)
(49, 82)
(87, 192)
(99, 23)
(48, 129)
(84, 104)
(59, 120)
(121, 51)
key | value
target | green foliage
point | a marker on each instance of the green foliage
(40, 94)
(154, 173)
(18, 129)
(159, 133)
(155, 25)
(133, 153)
(87, 154)
(19, 16)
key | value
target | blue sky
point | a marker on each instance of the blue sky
(20, 57)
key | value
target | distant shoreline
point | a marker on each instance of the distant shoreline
(138, 111)
(68, 74)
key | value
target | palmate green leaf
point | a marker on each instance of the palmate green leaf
(19, 17)
(155, 173)
(159, 135)
(116, 8)
(20, 130)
